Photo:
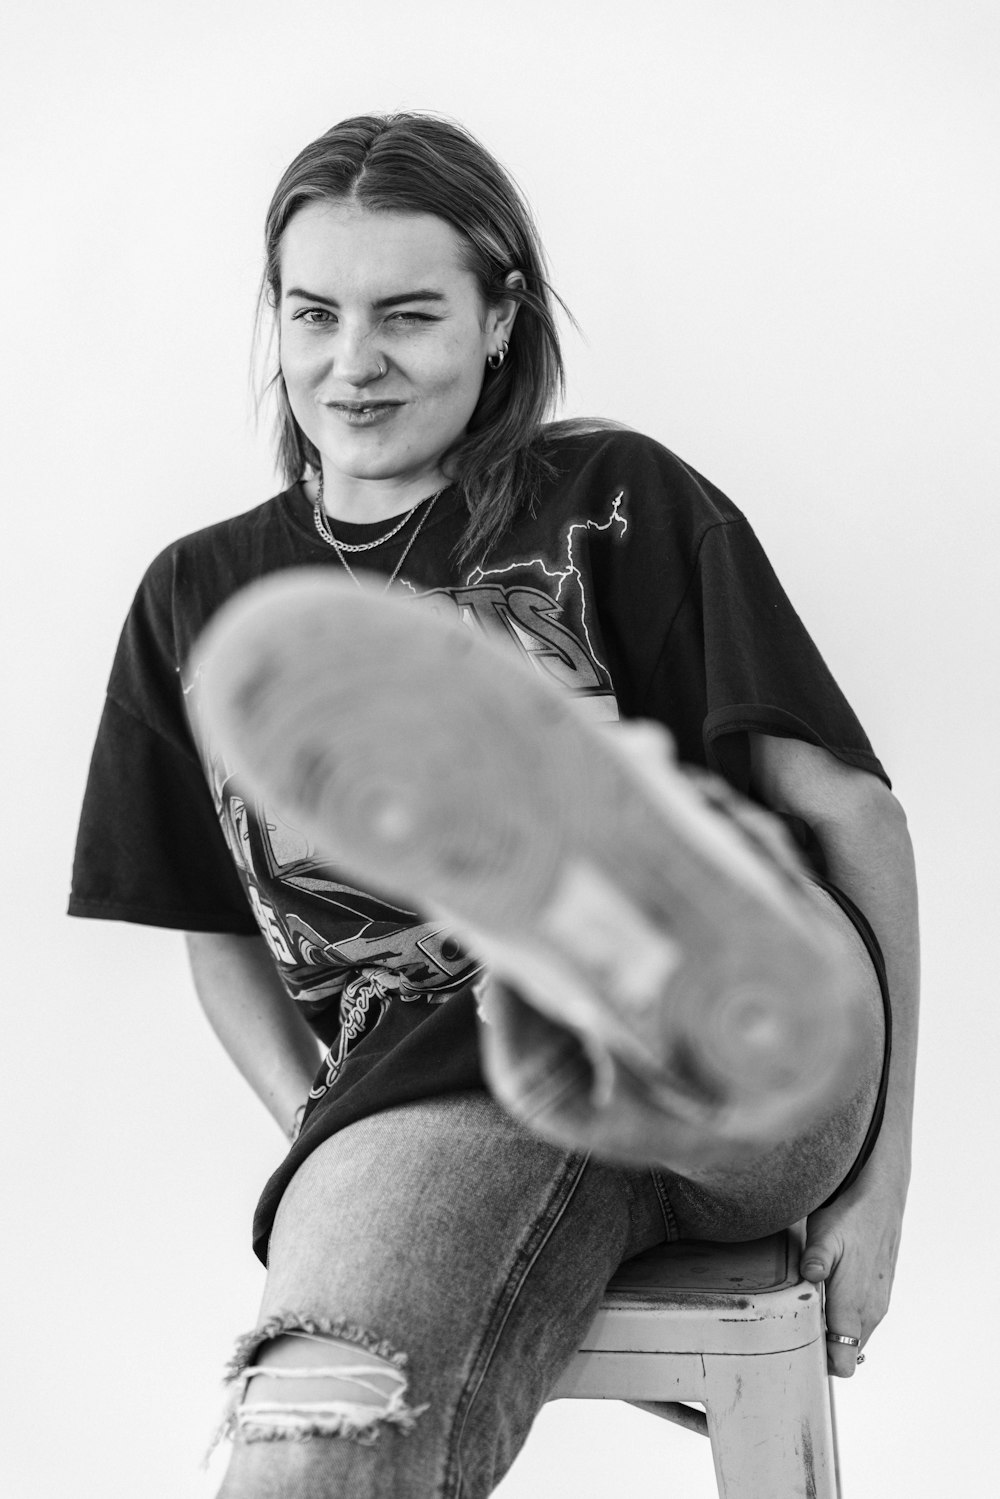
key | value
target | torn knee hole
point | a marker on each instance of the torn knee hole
(309, 1370)
(301, 1377)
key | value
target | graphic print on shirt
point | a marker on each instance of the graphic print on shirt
(340, 951)
(543, 610)
(346, 955)
(362, 1005)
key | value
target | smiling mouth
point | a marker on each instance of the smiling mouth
(363, 405)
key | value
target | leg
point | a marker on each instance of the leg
(443, 1263)
(764, 1446)
(726, 1191)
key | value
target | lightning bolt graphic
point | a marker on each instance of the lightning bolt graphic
(564, 574)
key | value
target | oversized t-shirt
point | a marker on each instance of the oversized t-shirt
(635, 584)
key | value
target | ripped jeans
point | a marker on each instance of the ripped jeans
(432, 1270)
(433, 1267)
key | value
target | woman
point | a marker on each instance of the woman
(431, 1261)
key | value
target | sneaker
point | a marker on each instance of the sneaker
(631, 903)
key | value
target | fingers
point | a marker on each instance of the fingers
(816, 1266)
(842, 1358)
(845, 1319)
(843, 1362)
(822, 1261)
(824, 1248)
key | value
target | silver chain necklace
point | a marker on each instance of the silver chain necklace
(319, 519)
(340, 547)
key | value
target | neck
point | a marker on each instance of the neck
(361, 501)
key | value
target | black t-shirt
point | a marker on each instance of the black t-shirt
(636, 585)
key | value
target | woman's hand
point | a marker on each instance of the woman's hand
(852, 1245)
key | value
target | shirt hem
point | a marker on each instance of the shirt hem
(191, 921)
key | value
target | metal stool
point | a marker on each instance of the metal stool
(732, 1327)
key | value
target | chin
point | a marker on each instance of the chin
(354, 462)
(359, 467)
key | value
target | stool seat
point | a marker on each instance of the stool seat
(732, 1327)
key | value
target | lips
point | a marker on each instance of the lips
(360, 415)
(363, 405)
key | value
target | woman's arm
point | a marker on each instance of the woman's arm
(861, 828)
(255, 1019)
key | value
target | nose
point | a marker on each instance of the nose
(355, 359)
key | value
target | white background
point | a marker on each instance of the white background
(777, 223)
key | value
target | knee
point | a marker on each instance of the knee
(288, 1470)
(298, 1380)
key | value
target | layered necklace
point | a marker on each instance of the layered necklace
(340, 547)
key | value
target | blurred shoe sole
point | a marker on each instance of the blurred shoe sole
(437, 768)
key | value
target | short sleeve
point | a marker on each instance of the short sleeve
(150, 846)
(749, 663)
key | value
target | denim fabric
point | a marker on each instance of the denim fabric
(445, 1232)
(451, 1240)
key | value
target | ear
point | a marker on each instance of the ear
(500, 319)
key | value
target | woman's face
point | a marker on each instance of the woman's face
(362, 290)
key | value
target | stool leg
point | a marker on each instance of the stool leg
(770, 1422)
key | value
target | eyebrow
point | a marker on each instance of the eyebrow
(423, 294)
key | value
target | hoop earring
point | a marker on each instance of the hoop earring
(496, 359)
